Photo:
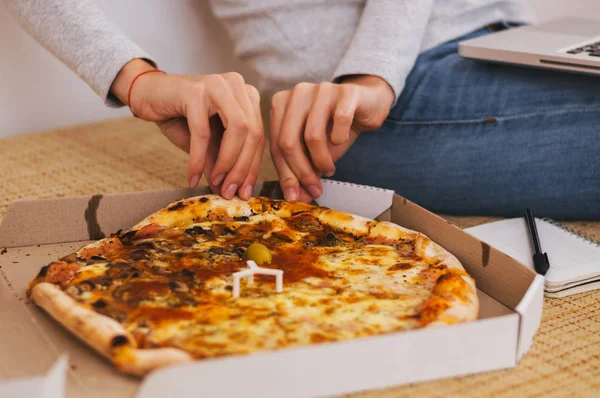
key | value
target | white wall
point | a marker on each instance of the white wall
(37, 92)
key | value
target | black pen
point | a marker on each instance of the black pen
(540, 260)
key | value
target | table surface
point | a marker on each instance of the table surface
(130, 155)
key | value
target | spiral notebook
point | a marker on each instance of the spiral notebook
(574, 260)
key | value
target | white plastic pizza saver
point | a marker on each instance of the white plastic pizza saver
(252, 270)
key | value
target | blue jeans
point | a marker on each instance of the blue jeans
(474, 138)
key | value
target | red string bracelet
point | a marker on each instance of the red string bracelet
(131, 86)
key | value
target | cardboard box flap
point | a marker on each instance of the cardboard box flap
(491, 342)
(361, 200)
(92, 217)
(496, 274)
(330, 369)
(50, 385)
(530, 311)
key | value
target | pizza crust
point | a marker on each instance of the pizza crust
(110, 338)
(102, 333)
(462, 308)
(139, 362)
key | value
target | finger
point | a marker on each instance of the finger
(290, 185)
(224, 103)
(212, 152)
(290, 142)
(245, 190)
(304, 196)
(250, 181)
(315, 133)
(344, 114)
(177, 131)
(197, 116)
(253, 145)
(337, 151)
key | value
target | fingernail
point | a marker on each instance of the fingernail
(230, 191)
(329, 173)
(291, 194)
(314, 191)
(218, 179)
(194, 180)
(247, 192)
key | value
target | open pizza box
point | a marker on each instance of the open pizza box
(33, 347)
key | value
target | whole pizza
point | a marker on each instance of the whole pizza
(207, 277)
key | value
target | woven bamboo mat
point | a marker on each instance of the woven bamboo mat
(130, 155)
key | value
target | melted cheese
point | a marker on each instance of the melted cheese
(337, 285)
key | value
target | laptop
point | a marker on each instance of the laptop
(568, 44)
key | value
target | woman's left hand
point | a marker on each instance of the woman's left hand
(313, 125)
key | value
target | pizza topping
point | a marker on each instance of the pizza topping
(195, 231)
(157, 315)
(61, 273)
(402, 266)
(304, 222)
(178, 286)
(170, 280)
(146, 245)
(258, 253)
(149, 231)
(299, 265)
(127, 236)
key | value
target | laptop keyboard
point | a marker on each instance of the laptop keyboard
(592, 49)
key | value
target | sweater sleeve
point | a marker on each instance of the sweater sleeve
(387, 41)
(79, 34)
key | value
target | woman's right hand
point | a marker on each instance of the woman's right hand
(216, 118)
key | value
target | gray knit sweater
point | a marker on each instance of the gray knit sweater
(286, 41)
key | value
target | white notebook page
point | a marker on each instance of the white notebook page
(572, 259)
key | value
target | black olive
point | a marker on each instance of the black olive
(241, 218)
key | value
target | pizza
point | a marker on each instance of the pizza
(168, 290)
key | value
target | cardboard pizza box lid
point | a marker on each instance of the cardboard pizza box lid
(36, 232)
